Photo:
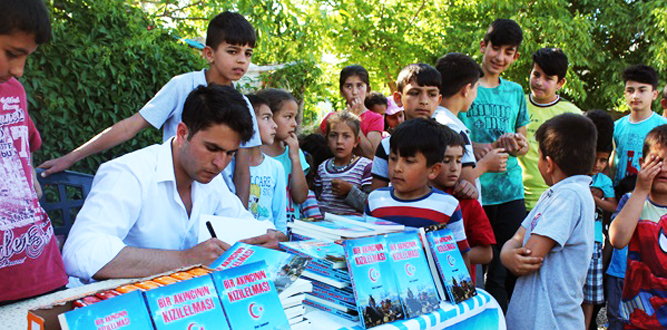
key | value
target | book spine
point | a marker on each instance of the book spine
(430, 257)
(342, 295)
(336, 299)
(353, 318)
(441, 271)
(328, 272)
(314, 260)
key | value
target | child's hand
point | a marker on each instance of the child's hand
(465, 190)
(340, 187)
(293, 143)
(649, 170)
(481, 149)
(511, 142)
(495, 160)
(356, 106)
(519, 261)
(597, 192)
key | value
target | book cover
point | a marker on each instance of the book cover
(374, 286)
(323, 253)
(124, 312)
(451, 267)
(249, 297)
(191, 304)
(412, 274)
(283, 268)
(380, 225)
(344, 230)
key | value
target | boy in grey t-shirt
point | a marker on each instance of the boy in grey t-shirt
(553, 247)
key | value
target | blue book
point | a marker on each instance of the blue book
(380, 225)
(325, 254)
(354, 317)
(374, 287)
(340, 294)
(328, 272)
(449, 266)
(124, 312)
(412, 274)
(342, 230)
(191, 304)
(249, 298)
(333, 299)
(284, 268)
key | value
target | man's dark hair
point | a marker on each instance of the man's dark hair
(231, 28)
(641, 73)
(657, 137)
(457, 70)
(351, 71)
(553, 61)
(257, 101)
(422, 135)
(28, 16)
(605, 127)
(375, 98)
(569, 139)
(213, 105)
(422, 74)
(504, 32)
(276, 98)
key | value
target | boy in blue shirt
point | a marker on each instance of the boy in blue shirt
(641, 83)
(498, 118)
(230, 40)
(552, 249)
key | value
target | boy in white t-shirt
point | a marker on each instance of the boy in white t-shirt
(230, 40)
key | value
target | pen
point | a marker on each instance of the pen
(209, 226)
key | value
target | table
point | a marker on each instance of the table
(480, 313)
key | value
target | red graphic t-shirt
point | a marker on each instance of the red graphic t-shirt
(30, 263)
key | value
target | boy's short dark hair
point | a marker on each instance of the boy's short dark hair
(213, 105)
(656, 137)
(257, 101)
(553, 61)
(276, 98)
(504, 32)
(454, 139)
(422, 135)
(231, 28)
(457, 70)
(351, 71)
(605, 127)
(28, 16)
(375, 98)
(316, 146)
(569, 140)
(641, 73)
(420, 73)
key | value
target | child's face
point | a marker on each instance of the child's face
(267, 127)
(354, 88)
(497, 59)
(341, 140)
(286, 120)
(660, 181)
(601, 160)
(418, 101)
(14, 50)
(378, 108)
(639, 95)
(410, 175)
(451, 166)
(395, 119)
(542, 86)
(228, 62)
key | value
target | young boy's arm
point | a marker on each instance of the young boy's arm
(299, 188)
(623, 226)
(110, 137)
(368, 143)
(519, 259)
(606, 204)
(480, 255)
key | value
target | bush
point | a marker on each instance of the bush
(104, 62)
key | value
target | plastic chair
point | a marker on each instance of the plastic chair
(63, 195)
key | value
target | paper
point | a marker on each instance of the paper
(232, 230)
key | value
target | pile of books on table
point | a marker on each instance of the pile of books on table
(340, 227)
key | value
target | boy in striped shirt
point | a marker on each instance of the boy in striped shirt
(417, 149)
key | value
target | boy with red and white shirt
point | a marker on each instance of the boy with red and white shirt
(30, 263)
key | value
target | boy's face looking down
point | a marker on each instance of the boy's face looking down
(639, 96)
(205, 154)
(418, 101)
(14, 50)
(227, 62)
(659, 184)
(543, 87)
(451, 166)
(267, 127)
(410, 175)
(497, 59)
(601, 160)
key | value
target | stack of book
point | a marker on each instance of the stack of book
(331, 286)
(293, 299)
(339, 227)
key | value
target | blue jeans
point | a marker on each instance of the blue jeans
(614, 287)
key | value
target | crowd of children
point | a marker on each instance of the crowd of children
(523, 181)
